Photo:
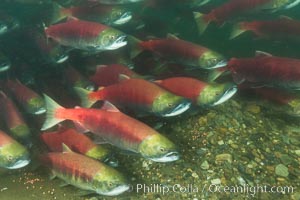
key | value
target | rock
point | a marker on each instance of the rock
(195, 175)
(224, 157)
(285, 159)
(146, 164)
(221, 142)
(215, 181)
(252, 108)
(281, 170)
(204, 165)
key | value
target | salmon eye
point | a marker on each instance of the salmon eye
(9, 158)
(110, 184)
(162, 149)
(169, 104)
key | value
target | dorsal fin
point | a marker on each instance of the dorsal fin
(65, 148)
(158, 81)
(98, 67)
(285, 17)
(2, 94)
(123, 77)
(172, 36)
(100, 88)
(109, 107)
(71, 18)
(262, 54)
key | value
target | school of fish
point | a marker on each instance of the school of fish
(86, 71)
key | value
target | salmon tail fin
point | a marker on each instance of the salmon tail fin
(135, 47)
(201, 22)
(83, 94)
(51, 120)
(237, 31)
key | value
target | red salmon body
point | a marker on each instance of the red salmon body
(86, 35)
(282, 28)
(106, 75)
(180, 50)
(5, 139)
(132, 92)
(76, 141)
(72, 164)
(9, 111)
(183, 86)
(270, 70)
(233, 8)
(75, 29)
(20, 91)
(275, 95)
(116, 127)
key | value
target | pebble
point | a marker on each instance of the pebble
(146, 164)
(253, 109)
(224, 157)
(285, 159)
(204, 165)
(281, 170)
(195, 175)
(221, 142)
(297, 152)
(241, 180)
(216, 181)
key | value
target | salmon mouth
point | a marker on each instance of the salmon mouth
(116, 191)
(292, 4)
(3, 29)
(4, 66)
(62, 59)
(126, 17)
(19, 164)
(40, 111)
(202, 3)
(226, 95)
(120, 42)
(221, 63)
(179, 109)
(169, 157)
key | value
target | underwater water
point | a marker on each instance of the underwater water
(242, 145)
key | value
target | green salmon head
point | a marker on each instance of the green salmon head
(159, 149)
(22, 132)
(211, 60)
(98, 152)
(109, 182)
(14, 156)
(36, 105)
(168, 105)
(119, 16)
(111, 39)
(215, 94)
